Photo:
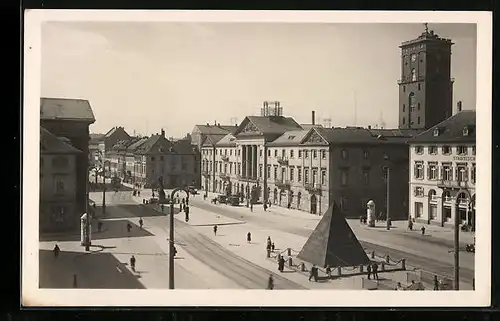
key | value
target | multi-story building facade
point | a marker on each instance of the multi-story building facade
(96, 150)
(443, 175)
(144, 160)
(71, 118)
(58, 183)
(204, 137)
(113, 136)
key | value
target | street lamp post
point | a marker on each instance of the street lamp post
(388, 206)
(456, 263)
(171, 237)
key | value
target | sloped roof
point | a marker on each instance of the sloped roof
(183, 146)
(133, 147)
(360, 135)
(214, 129)
(66, 109)
(309, 126)
(152, 141)
(229, 140)
(333, 243)
(268, 125)
(451, 130)
(290, 138)
(114, 130)
(51, 144)
(212, 140)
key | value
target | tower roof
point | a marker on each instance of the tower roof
(333, 243)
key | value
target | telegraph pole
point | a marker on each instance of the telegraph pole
(456, 267)
(171, 252)
(388, 212)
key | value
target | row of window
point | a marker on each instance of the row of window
(445, 171)
(291, 154)
(445, 150)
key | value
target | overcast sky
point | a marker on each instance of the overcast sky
(148, 76)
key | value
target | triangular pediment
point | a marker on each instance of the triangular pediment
(333, 243)
(314, 138)
(247, 127)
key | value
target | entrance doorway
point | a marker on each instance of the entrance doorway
(314, 202)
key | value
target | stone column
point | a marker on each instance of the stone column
(248, 161)
(243, 161)
(255, 161)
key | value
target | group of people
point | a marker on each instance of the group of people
(269, 245)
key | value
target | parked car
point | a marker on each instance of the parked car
(222, 199)
(234, 200)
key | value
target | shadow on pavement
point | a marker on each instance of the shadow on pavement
(93, 271)
(140, 210)
(111, 229)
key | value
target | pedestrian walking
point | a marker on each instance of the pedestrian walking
(265, 207)
(423, 230)
(313, 274)
(269, 204)
(328, 271)
(56, 251)
(141, 222)
(138, 193)
(289, 205)
(132, 263)
(281, 264)
(369, 271)
(162, 208)
(215, 230)
(272, 246)
(399, 287)
(375, 271)
(186, 211)
(436, 283)
(270, 282)
(249, 237)
(410, 225)
(251, 207)
(129, 227)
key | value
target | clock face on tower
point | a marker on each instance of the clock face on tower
(413, 57)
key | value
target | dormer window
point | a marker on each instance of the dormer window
(465, 131)
(436, 132)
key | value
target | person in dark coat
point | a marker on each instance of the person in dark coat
(272, 246)
(249, 237)
(129, 227)
(313, 274)
(141, 222)
(265, 207)
(270, 282)
(423, 230)
(436, 283)
(369, 271)
(56, 250)
(375, 271)
(281, 264)
(251, 207)
(132, 263)
(329, 271)
(215, 230)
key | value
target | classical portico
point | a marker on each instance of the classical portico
(249, 163)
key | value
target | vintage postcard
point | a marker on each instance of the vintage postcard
(273, 158)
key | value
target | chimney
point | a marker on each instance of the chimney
(369, 127)
(459, 106)
(163, 132)
(313, 115)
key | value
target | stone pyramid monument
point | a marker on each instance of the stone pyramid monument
(333, 243)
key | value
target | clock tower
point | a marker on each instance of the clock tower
(426, 86)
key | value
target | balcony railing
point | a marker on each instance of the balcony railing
(282, 184)
(453, 184)
(313, 188)
(282, 161)
(225, 158)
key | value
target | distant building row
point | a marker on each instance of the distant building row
(144, 160)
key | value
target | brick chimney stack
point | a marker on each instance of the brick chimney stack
(313, 115)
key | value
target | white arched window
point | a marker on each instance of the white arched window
(413, 75)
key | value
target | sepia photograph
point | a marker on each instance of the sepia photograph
(211, 154)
